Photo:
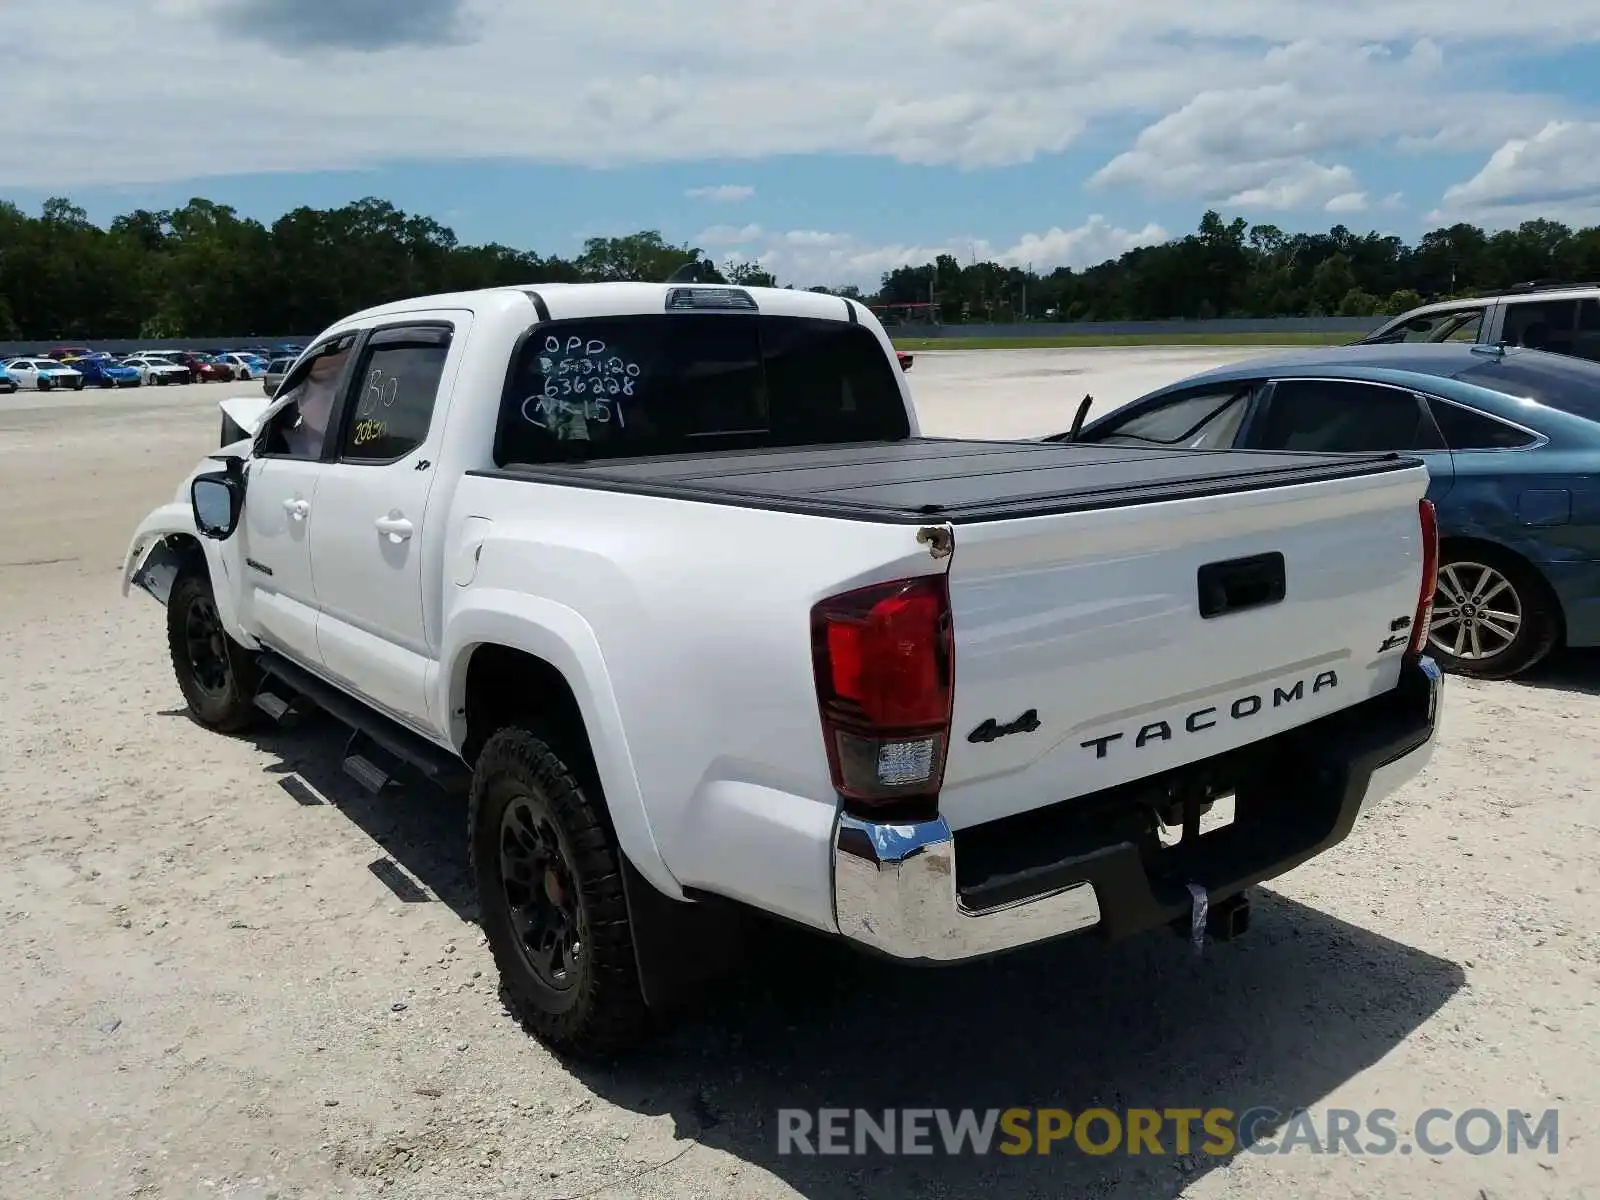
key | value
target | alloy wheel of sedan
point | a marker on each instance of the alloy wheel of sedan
(1477, 612)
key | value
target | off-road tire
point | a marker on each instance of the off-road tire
(230, 708)
(602, 1012)
(1541, 627)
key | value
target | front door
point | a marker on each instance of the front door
(279, 601)
(284, 474)
(369, 547)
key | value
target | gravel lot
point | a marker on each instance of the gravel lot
(232, 973)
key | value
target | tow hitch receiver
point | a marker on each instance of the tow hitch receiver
(1229, 918)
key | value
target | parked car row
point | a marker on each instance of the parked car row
(76, 367)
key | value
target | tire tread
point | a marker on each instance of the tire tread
(611, 1016)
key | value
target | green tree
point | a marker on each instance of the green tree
(1331, 282)
(642, 256)
(749, 274)
(204, 271)
(1399, 302)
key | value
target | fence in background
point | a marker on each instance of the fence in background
(1354, 326)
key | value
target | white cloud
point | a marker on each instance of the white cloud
(727, 235)
(722, 193)
(1266, 144)
(1304, 184)
(1090, 243)
(1554, 173)
(806, 257)
(300, 85)
(1347, 202)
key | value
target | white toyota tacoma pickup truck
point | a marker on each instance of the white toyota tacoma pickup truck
(667, 578)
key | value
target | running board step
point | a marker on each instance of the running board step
(368, 763)
(378, 745)
(366, 772)
(274, 705)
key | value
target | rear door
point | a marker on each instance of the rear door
(1345, 416)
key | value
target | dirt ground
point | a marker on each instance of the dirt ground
(228, 972)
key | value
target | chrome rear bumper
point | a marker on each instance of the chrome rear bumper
(895, 890)
(895, 884)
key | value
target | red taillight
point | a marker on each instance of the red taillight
(884, 659)
(1430, 576)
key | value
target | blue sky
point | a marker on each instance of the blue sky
(829, 141)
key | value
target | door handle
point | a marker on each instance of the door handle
(394, 527)
(298, 509)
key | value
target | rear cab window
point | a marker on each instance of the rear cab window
(686, 382)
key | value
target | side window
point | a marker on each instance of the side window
(396, 386)
(1208, 421)
(1586, 342)
(299, 429)
(1333, 416)
(1467, 429)
(1542, 324)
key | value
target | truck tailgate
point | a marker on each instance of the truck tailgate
(1083, 658)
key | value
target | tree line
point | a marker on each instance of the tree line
(203, 271)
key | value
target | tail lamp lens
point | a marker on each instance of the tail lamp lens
(1429, 521)
(884, 660)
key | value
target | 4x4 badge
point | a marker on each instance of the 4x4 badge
(992, 730)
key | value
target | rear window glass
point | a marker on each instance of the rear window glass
(615, 387)
(1570, 385)
(1465, 429)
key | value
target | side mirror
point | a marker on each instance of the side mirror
(217, 499)
(1079, 417)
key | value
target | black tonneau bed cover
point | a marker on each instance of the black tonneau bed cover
(948, 479)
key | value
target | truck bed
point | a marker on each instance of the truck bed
(947, 479)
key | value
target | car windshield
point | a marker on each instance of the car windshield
(1451, 325)
(1205, 421)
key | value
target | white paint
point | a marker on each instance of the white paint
(690, 662)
